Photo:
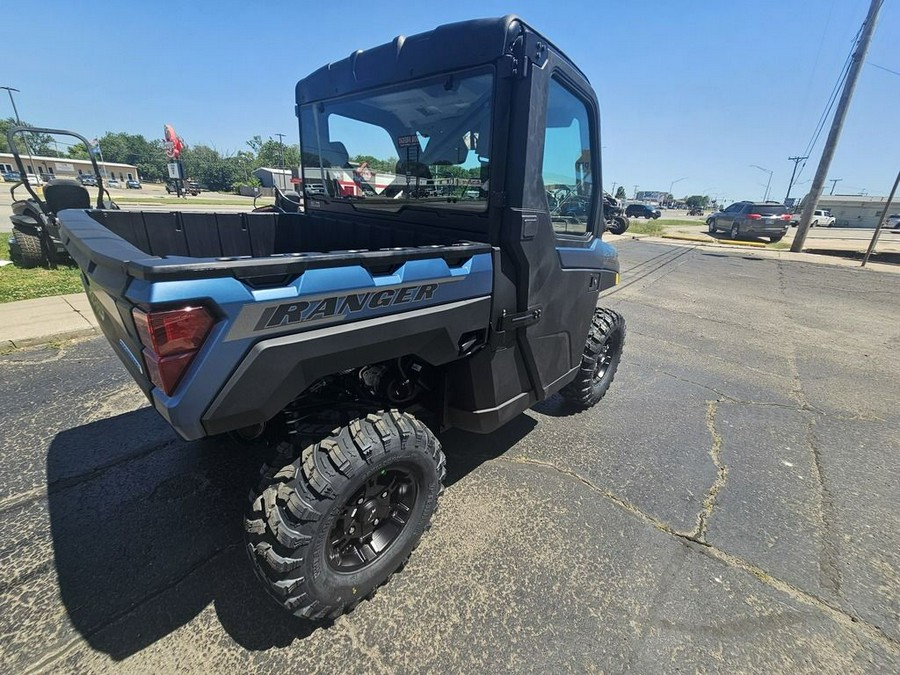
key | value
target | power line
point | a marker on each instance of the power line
(838, 86)
(894, 72)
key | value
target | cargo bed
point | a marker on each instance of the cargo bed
(157, 246)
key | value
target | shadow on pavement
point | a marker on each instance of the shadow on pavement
(151, 535)
(889, 257)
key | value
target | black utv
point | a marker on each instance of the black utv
(35, 240)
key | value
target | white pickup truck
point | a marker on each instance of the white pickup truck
(820, 218)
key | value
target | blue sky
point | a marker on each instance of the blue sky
(698, 90)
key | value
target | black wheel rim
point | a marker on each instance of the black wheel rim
(372, 519)
(605, 357)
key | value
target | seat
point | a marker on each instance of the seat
(334, 155)
(61, 194)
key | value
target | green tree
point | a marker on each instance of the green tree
(620, 193)
(40, 144)
(377, 165)
(271, 154)
(148, 156)
(77, 151)
(697, 201)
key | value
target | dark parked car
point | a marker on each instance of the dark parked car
(188, 187)
(641, 211)
(88, 179)
(133, 184)
(741, 219)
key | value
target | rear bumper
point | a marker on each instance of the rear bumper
(763, 229)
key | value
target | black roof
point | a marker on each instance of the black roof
(453, 46)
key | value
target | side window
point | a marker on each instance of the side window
(567, 162)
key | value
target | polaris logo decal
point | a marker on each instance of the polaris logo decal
(340, 306)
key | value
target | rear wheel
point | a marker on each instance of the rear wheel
(775, 238)
(330, 526)
(31, 254)
(602, 353)
(735, 231)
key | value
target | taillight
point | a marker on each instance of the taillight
(753, 216)
(785, 216)
(171, 340)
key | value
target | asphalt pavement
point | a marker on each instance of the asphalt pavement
(731, 506)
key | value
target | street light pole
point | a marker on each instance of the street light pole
(757, 166)
(10, 90)
(671, 185)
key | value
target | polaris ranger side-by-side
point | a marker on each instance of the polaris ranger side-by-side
(344, 325)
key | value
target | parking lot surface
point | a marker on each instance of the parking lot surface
(731, 506)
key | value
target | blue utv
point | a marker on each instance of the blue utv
(420, 278)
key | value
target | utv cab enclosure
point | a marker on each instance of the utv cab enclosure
(425, 276)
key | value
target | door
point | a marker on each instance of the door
(552, 237)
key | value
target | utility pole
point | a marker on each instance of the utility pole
(840, 114)
(635, 191)
(613, 193)
(834, 181)
(281, 161)
(796, 161)
(887, 208)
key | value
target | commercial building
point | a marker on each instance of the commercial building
(65, 167)
(853, 210)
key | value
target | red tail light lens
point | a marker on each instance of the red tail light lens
(171, 340)
(785, 216)
(753, 216)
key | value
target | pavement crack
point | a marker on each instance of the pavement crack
(728, 398)
(847, 620)
(22, 498)
(78, 311)
(44, 664)
(829, 555)
(59, 484)
(611, 496)
(715, 453)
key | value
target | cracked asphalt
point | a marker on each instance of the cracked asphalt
(731, 506)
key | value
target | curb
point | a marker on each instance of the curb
(687, 237)
(705, 240)
(44, 339)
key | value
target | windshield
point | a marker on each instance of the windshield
(427, 144)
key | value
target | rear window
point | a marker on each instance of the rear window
(769, 209)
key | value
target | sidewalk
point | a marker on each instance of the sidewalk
(29, 322)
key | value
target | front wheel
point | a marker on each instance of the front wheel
(600, 360)
(711, 224)
(330, 526)
(619, 225)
